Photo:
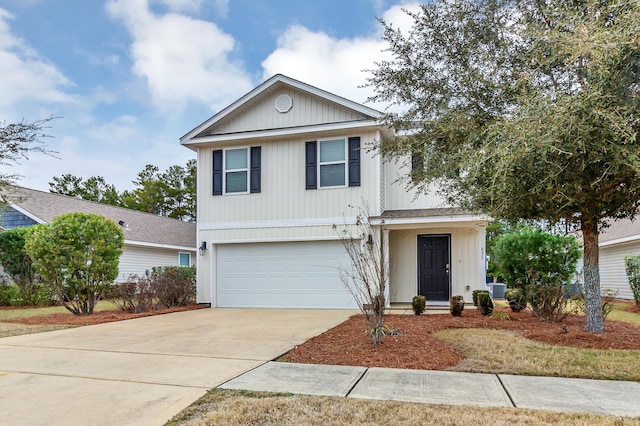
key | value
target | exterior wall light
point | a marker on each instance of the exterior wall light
(203, 248)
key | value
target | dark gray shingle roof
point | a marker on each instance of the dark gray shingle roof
(142, 227)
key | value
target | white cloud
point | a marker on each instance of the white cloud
(336, 65)
(182, 59)
(26, 76)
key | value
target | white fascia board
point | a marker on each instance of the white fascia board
(286, 132)
(329, 221)
(157, 245)
(445, 220)
(279, 240)
(623, 240)
(28, 214)
(266, 85)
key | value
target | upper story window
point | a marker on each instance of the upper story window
(332, 165)
(236, 170)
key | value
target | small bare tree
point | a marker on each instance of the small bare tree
(368, 274)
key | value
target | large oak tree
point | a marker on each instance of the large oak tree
(522, 109)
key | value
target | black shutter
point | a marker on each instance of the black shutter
(354, 161)
(217, 172)
(254, 185)
(311, 165)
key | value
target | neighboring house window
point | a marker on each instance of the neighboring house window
(236, 171)
(332, 163)
(184, 259)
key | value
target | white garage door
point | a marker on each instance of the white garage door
(282, 275)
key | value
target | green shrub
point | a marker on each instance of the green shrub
(18, 265)
(516, 299)
(485, 303)
(474, 295)
(542, 265)
(9, 295)
(456, 305)
(77, 255)
(632, 264)
(419, 304)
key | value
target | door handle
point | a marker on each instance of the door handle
(447, 268)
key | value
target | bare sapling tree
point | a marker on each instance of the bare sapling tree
(367, 276)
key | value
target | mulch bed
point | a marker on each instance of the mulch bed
(67, 318)
(416, 349)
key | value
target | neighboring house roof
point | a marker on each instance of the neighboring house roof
(620, 231)
(207, 131)
(139, 228)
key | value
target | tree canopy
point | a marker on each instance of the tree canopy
(171, 193)
(522, 109)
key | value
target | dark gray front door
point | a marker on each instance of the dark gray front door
(433, 267)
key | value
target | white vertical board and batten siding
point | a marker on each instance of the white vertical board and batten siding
(307, 110)
(465, 261)
(399, 197)
(283, 194)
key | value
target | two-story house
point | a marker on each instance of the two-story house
(278, 168)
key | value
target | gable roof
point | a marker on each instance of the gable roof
(278, 82)
(139, 228)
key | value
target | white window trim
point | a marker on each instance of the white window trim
(328, 163)
(180, 253)
(225, 171)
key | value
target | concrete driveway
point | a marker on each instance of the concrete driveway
(142, 371)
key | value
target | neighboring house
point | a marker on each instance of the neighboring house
(620, 239)
(149, 240)
(283, 164)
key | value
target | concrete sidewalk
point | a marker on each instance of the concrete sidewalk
(444, 387)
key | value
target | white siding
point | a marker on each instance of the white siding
(467, 266)
(399, 197)
(283, 195)
(612, 268)
(136, 260)
(306, 110)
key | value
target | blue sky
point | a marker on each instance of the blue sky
(129, 77)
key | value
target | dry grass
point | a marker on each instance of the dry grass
(11, 329)
(7, 314)
(504, 352)
(223, 407)
(620, 315)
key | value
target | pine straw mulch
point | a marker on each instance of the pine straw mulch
(99, 317)
(415, 348)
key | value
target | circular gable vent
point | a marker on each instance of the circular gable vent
(284, 103)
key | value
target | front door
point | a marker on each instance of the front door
(433, 267)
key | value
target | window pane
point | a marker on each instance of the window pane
(332, 150)
(236, 182)
(236, 159)
(185, 259)
(332, 175)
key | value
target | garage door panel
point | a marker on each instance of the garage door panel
(295, 275)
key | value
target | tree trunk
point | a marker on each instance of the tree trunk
(593, 304)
